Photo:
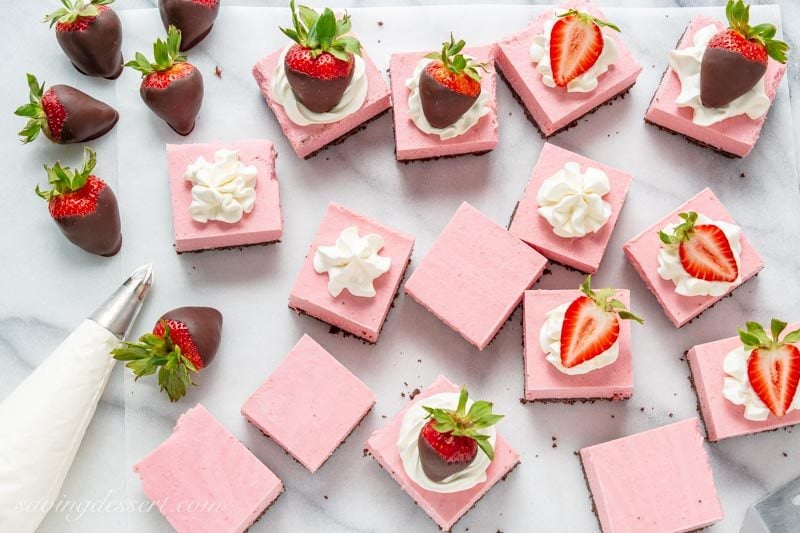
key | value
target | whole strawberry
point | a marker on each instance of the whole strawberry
(64, 114)
(449, 85)
(84, 207)
(449, 442)
(773, 367)
(576, 43)
(194, 18)
(171, 87)
(320, 66)
(704, 250)
(184, 341)
(90, 34)
(736, 58)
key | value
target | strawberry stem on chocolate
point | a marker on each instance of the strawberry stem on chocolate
(454, 61)
(65, 180)
(322, 32)
(738, 14)
(73, 9)
(34, 111)
(166, 54)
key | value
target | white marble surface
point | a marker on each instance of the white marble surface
(48, 285)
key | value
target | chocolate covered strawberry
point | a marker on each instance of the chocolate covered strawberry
(90, 34)
(591, 324)
(84, 207)
(64, 114)
(449, 85)
(320, 65)
(449, 442)
(183, 341)
(576, 43)
(171, 87)
(194, 18)
(736, 58)
(773, 366)
(704, 249)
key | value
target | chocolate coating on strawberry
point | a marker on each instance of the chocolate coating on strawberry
(205, 323)
(84, 207)
(194, 18)
(736, 58)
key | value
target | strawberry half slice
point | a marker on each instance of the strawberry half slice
(576, 43)
(773, 367)
(704, 249)
(591, 324)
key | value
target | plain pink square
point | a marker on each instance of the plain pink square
(309, 404)
(264, 224)
(474, 275)
(722, 418)
(544, 382)
(308, 140)
(736, 135)
(657, 480)
(411, 143)
(553, 108)
(583, 253)
(642, 252)
(444, 509)
(362, 317)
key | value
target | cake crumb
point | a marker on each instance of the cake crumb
(218, 72)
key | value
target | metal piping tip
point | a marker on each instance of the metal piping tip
(119, 312)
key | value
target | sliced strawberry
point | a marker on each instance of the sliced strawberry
(576, 42)
(708, 255)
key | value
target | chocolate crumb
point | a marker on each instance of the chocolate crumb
(414, 393)
(218, 72)
(402, 394)
(741, 175)
(380, 23)
(419, 361)
(670, 415)
(326, 497)
(785, 454)
(555, 445)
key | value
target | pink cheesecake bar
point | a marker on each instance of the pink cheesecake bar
(722, 418)
(309, 404)
(310, 139)
(444, 509)
(543, 381)
(583, 253)
(264, 224)
(642, 252)
(735, 136)
(553, 109)
(474, 275)
(203, 480)
(359, 316)
(657, 480)
(411, 143)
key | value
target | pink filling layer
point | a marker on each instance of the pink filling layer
(583, 253)
(642, 251)
(736, 135)
(308, 139)
(203, 480)
(724, 419)
(474, 276)
(553, 107)
(262, 225)
(309, 404)
(363, 317)
(657, 480)
(411, 143)
(444, 509)
(543, 381)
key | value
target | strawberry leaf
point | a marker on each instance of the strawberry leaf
(777, 327)
(792, 337)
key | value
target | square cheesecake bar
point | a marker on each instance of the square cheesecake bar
(544, 382)
(657, 480)
(444, 508)
(554, 109)
(309, 404)
(474, 275)
(360, 316)
(643, 253)
(262, 225)
(411, 143)
(583, 253)
(203, 480)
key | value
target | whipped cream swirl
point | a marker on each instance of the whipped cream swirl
(550, 343)
(737, 389)
(671, 269)
(586, 82)
(223, 190)
(352, 100)
(686, 64)
(572, 201)
(352, 263)
(471, 117)
(414, 420)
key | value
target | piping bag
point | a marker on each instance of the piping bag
(43, 421)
